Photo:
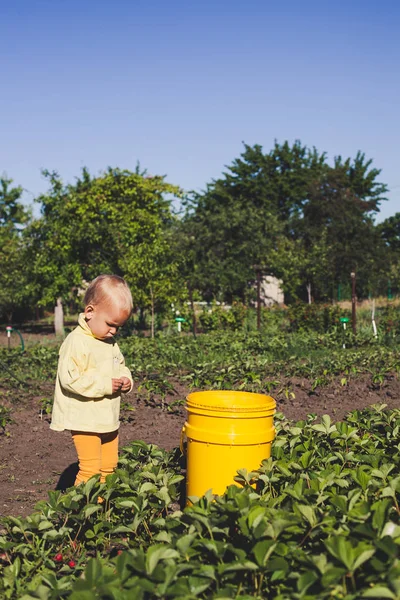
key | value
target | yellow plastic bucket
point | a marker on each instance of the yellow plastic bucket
(226, 431)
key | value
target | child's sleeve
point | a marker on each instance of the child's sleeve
(77, 376)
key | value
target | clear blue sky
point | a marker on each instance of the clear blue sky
(178, 85)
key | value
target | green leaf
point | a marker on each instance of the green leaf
(263, 550)
(255, 515)
(45, 525)
(184, 543)
(381, 509)
(239, 565)
(147, 486)
(90, 484)
(156, 553)
(163, 536)
(91, 509)
(278, 564)
(308, 513)
(363, 557)
(306, 580)
(379, 591)
(305, 458)
(341, 549)
(332, 575)
(362, 478)
(282, 466)
(351, 557)
(93, 572)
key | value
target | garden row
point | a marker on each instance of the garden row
(226, 360)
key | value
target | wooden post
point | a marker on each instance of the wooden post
(259, 299)
(353, 302)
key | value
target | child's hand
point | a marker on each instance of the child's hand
(126, 384)
(117, 385)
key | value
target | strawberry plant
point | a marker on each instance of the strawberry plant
(319, 519)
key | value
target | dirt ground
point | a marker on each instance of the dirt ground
(34, 459)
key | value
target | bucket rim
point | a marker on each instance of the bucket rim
(230, 401)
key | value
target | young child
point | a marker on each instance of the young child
(91, 376)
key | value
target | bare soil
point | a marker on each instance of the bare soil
(34, 459)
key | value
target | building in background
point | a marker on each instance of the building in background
(271, 291)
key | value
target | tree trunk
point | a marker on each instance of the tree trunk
(152, 312)
(59, 319)
(308, 286)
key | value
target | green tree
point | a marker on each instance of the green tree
(239, 220)
(13, 213)
(389, 232)
(278, 181)
(227, 236)
(13, 277)
(389, 236)
(305, 221)
(299, 267)
(117, 222)
(338, 218)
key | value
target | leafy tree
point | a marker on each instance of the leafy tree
(13, 216)
(230, 235)
(389, 231)
(299, 267)
(338, 216)
(117, 223)
(243, 218)
(289, 211)
(277, 181)
(389, 236)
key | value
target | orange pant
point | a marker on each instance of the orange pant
(97, 453)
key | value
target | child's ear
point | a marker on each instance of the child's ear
(89, 310)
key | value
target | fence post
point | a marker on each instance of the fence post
(353, 302)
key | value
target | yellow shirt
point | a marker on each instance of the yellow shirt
(83, 399)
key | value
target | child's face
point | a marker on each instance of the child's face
(104, 320)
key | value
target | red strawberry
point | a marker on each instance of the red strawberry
(72, 564)
(58, 557)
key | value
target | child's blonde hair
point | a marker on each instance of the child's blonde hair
(109, 289)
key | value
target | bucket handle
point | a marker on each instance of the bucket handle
(182, 439)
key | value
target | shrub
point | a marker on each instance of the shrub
(218, 317)
(314, 317)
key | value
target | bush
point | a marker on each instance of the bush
(216, 317)
(315, 317)
(388, 319)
